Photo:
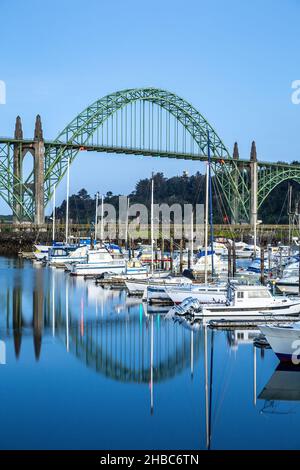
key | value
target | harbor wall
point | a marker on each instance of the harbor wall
(21, 239)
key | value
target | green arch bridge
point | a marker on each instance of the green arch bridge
(140, 121)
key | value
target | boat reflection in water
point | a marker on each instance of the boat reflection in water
(283, 386)
(127, 375)
(110, 333)
(239, 337)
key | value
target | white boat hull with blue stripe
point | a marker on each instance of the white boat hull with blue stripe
(100, 262)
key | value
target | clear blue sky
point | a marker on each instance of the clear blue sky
(234, 60)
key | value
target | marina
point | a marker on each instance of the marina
(94, 356)
(149, 232)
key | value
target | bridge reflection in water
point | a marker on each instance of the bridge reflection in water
(116, 363)
(106, 330)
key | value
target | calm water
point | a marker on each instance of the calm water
(88, 368)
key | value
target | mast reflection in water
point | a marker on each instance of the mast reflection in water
(87, 367)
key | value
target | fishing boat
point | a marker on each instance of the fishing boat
(248, 301)
(284, 339)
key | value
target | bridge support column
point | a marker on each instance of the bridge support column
(17, 172)
(39, 168)
(253, 193)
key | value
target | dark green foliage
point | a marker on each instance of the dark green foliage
(275, 208)
(179, 189)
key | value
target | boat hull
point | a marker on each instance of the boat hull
(158, 295)
(285, 342)
(254, 312)
(178, 296)
(98, 269)
(65, 261)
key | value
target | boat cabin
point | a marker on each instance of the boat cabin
(248, 295)
(60, 251)
(103, 255)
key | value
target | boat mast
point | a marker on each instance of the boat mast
(152, 225)
(102, 221)
(192, 238)
(53, 215)
(206, 224)
(126, 226)
(210, 208)
(96, 216)
(67, 205)
(290, 189)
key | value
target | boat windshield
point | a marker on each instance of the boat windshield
(258, 294)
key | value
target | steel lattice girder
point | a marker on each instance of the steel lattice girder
(232, 175)
(8, 181)
(82, 128)
(270, 177)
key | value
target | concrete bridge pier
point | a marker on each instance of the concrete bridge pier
(37, 150)
(17, 171)
(39, 165)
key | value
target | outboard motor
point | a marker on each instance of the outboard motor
(189, 306)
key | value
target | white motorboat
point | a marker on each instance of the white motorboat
(65, 257)
(100, 261)
(284, 339)
(206, 294)
(251, 301)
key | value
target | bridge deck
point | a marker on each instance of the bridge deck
(139, 151)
